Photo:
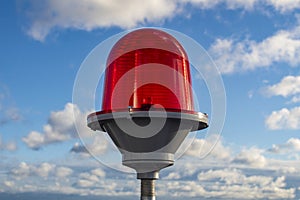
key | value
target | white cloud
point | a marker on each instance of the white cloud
(34, 140)
(89, 177)
(88, 15)
(295, 99)
(231, 183)
(284, 6)
(9, 146)
(251, 157)
(172, 176)
(204, 4)
(85, 183)
(291, 146)
(250, 94)
(92, 14)
(78, 148)
(98, 172)
(233, 56)
(284, 119)
(294, 143)
(287, 170)
(289, 85)
(284, 166)
(212, 177)
(44, 169)
(234, 176)
(28, 188)
(9, 184)
(201, 147)
(8, 111)
(248, 4)
(229, 4)
(60, 127)
(11, 113)
(96, 146)
(63, 172)
(92, 178)
(225, 182)
(22, 171)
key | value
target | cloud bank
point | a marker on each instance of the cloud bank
(237, 56)
(47, 16)
(60, 127)
(285, 118)
(227, 182)
(291, 146)
(244, 174)
(288, 86)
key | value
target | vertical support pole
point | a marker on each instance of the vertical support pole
(148, 185)
(147, 189)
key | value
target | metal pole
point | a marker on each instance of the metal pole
(148, 184)
(147, 189)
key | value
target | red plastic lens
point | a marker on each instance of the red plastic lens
(147, 67)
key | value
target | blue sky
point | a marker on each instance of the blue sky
(255, 45)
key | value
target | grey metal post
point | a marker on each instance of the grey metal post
(147, 189)
(148, 184)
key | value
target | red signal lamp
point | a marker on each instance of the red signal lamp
(144, 47)
(147, 106)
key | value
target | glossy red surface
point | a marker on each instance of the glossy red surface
(147, 67)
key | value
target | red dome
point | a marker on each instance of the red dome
(147, 67)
